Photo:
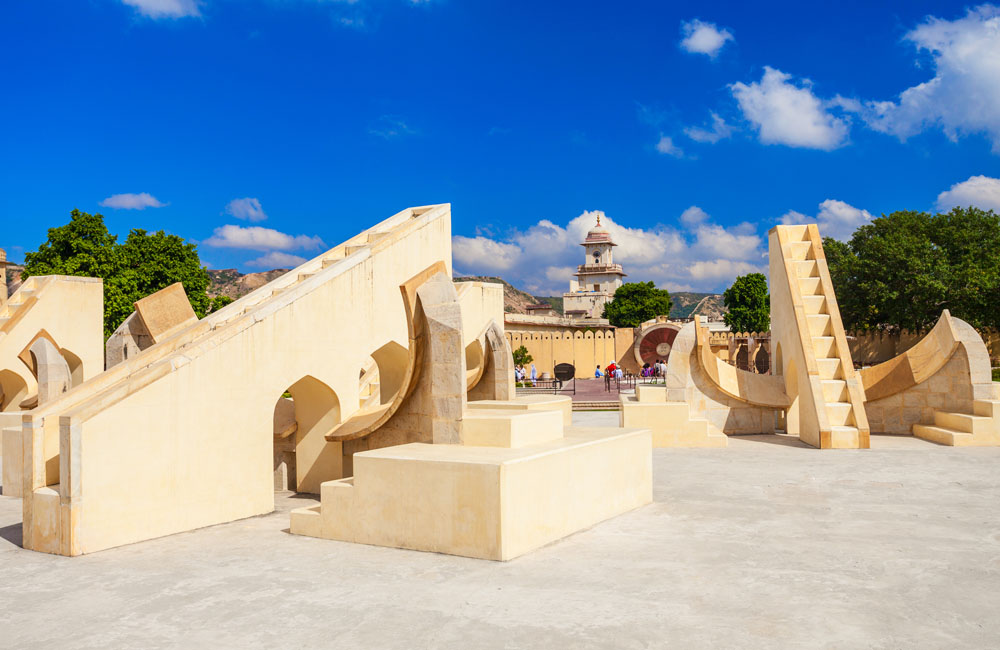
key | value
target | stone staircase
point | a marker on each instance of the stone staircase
(19, 303)
(981, 428)
(824, 340)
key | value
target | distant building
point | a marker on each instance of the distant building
(596, 279)
(541, 309)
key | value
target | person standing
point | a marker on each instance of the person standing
(534, 374)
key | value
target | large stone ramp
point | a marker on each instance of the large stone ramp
(810, 345)
(181, 436)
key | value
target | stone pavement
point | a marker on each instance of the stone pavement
(764, 544)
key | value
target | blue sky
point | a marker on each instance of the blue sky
(266, 130)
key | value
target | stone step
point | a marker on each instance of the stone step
(839, 414)
(942, 436)
(819, 324)
(810, 286)
(597, 406)
(806, 269)
(825, 347)
(844, 437)
(815, 304)
(987, 408)
(964, 422)
(800, 249)
(829, 369)
(834, 390)
(510, 429)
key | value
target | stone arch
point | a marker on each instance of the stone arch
(497, 378)
(316, 409)
(75, 367)
(13, 389)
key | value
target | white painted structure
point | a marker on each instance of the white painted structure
(596, 279)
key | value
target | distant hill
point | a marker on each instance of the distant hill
(688, 305)
(515, 301)
(13, 278)
(232, 283)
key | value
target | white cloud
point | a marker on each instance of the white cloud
(277, 260)
(164, 8)
(693, 216)
(139, 201)
(260, 239)
(964, 95)
(483, 254)
(979, 191)
(789, 114)
(666, 146)
(698, 255)
(835, 219)
(703, 38)
(248, 209)
(718, 131)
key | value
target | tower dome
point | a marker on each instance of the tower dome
(598, 235)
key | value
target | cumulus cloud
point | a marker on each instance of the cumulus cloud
(835, 219)
(248, 209)
(164, 8)
(139, 201)
(719, 130)
(703, 38)
(693, 216)
(788, 113)
(277, 260)
(666, 146)
(483, 254)
(979, 191)
(260, 239)
(697, 255)
(964, 95)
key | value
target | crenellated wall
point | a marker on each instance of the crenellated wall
(584, 349)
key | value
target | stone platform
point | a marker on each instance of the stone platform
(490, 502)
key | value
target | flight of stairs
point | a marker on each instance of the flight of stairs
(836, 399)
(980, 428)
(22, 298)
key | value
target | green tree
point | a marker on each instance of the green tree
(521, 356)
(748, 304)
(144, 264)
(637, 302)
(218, 303)
(902, 269)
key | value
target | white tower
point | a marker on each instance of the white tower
(597, 277)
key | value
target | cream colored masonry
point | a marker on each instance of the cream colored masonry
(181, 435)
(69, 313)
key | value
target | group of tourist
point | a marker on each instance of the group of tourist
(612, 370)
(656, 369)
(520, 373)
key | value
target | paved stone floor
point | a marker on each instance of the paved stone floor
(765, 544)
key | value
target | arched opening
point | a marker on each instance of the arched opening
(13, 389)
(475, 363)
(369, 385)
(317, 412)
(75, 367)
(392, 360)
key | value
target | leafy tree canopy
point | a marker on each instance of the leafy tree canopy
(748, 304)
(637, 302)
(144, 264)
(521, 356)
(901, 270)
